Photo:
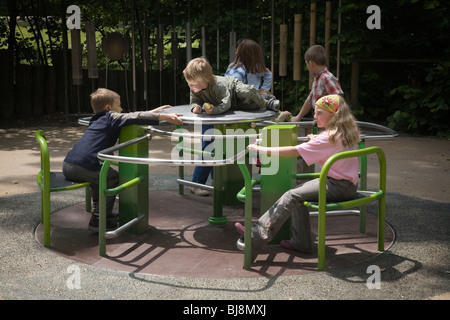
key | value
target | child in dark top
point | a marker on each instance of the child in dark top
(82, 164)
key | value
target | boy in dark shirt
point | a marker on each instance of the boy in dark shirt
(82, 164)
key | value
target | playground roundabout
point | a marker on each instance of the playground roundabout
(185, 235)
(180, 242)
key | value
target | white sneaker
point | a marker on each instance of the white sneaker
(199, 192)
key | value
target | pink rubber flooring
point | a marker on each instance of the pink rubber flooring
(181, 242)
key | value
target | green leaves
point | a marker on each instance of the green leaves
(424, 107)
(412, 97)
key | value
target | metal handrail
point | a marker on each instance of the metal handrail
(390, 133)
(297, 123)
(107, 155)
(84, 121)
(204, 136)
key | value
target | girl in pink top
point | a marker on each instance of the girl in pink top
(341, 134)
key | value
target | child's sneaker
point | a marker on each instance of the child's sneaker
(111, 224)
(257, 242)
(199, 192)
(240, 244)
(287, 244)
(109, 215)
(283, 116)
(273, 105)
(240, 228)
(114, 216)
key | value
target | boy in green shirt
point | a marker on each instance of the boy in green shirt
(217, 94)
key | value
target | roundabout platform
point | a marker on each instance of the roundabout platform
(181, 243)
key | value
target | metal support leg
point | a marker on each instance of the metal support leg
(133, 201)
(363, 186)
(228, 179)
(278, 174)
(180, 168)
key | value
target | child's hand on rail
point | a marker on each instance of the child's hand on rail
(171, 117)
(254, 147)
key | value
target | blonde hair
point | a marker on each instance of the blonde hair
(199, 70)
(101, 98)
(343, 125)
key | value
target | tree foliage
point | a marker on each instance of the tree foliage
(403, 79)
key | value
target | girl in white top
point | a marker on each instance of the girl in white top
(341, 134)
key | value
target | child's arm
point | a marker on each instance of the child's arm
(238, 73)
(145, 118)
(307, 106)
(196, 102)
(288, 151)
(267, 81)
(221, 93)
(170, 117)
(159, 109)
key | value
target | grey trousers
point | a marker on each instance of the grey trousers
(77, 173)
(291, 204)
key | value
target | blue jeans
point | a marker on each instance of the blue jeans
(201, 173)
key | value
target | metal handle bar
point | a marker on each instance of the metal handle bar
(390, 133)
(203, 136)
(299, 123)
(107, 155)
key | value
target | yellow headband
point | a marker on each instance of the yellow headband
(329, 103)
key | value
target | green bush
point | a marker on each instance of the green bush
(422, 105)
(407, 95)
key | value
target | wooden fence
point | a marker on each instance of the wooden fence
(29, 91)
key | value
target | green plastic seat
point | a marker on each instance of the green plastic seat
(363, 197)
(53, 182)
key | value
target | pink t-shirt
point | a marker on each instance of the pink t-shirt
(319, 149)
